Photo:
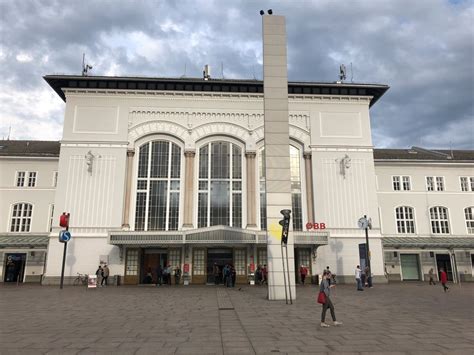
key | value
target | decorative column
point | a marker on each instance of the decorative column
(277, 155)
(128, 189)
(188, 188)
(309, 186)
(251, 191)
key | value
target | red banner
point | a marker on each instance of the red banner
(186, 268)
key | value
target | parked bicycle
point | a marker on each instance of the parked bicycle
(81, 279)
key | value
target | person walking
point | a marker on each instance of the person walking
(431, 276)
(303, 273)
(105, 275)
(216, 272)
(264, 275)
(233, 275)
(357, 277)
(98, 273)
(177, 275)
(368, 277)
(159, 275)
(326, 288)
(444, 279)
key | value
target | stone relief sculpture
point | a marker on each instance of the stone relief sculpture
(344, 164)
(90, 161)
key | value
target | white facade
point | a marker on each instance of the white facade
(339, 180)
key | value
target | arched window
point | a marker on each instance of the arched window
(21, 217)
(159, 173)
(469, 214)
(439, 220)
(220, 185)
(405, 219)
(295, 174)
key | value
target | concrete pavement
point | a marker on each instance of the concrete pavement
(395, 319)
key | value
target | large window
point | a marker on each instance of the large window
(439, 220)
(296, 200)
(435, 183)
(467, 183)
(220, 185)
(405, 220)
(401, 183)
(21, 217)
(159, 173)
(469, 214)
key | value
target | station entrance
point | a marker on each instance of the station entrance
(14, 267)
(216, 260)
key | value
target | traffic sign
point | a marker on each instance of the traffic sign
(64, 236)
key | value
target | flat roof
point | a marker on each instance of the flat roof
(29, 148)
(34, 148)
(61, 82)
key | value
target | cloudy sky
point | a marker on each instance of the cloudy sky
(424, 50)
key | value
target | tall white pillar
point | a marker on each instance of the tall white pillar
(277, 155)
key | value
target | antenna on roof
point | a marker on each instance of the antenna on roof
(253, 72)
(85, 67)
(184, 75)
(352, 74)
(342, 73)
(9, 132)
(222, 69)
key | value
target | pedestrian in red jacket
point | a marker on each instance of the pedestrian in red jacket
(444, 279)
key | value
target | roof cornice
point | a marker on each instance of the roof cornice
(63, 82)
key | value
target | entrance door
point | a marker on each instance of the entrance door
(14, 267)
(217, 258)
(443, 261)
(302, 257)
(151, 262)
(410, 267)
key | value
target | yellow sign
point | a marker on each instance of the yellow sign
(274, 230)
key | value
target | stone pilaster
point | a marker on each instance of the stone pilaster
(251, 190)
(128, 190)
(189, 157)
(309, 187)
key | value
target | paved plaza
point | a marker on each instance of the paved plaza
(396, 319)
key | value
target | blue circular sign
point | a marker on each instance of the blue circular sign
(65, 236)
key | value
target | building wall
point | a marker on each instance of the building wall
(421, 199)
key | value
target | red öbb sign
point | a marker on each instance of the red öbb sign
(315, 225)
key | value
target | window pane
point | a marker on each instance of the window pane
(204, 162)
(220, 209)
(237, 210)
(159, 159)
(236, 162)
(296, 212)
(140, 211)
(175, 161)
(143, 161)
(157, 205)
(202, 209)
(174, 211)
(220, 158)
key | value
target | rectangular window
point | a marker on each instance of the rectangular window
(467, 183)
(440, 183)
(175, 258)
(435, 183)
(262, 257)
(51, 214)
(32, 179)
(55, 178)
(401, 183)
(396, 183)
(20, 178)
(198, 262)
(406, 183)
(132, 262)
(239, 262)
(430, 186)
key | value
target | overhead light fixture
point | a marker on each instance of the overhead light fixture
(262, 12)
(270, 11)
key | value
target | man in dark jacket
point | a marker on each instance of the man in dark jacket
(159, 275)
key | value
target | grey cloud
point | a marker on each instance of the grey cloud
(423, 50)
